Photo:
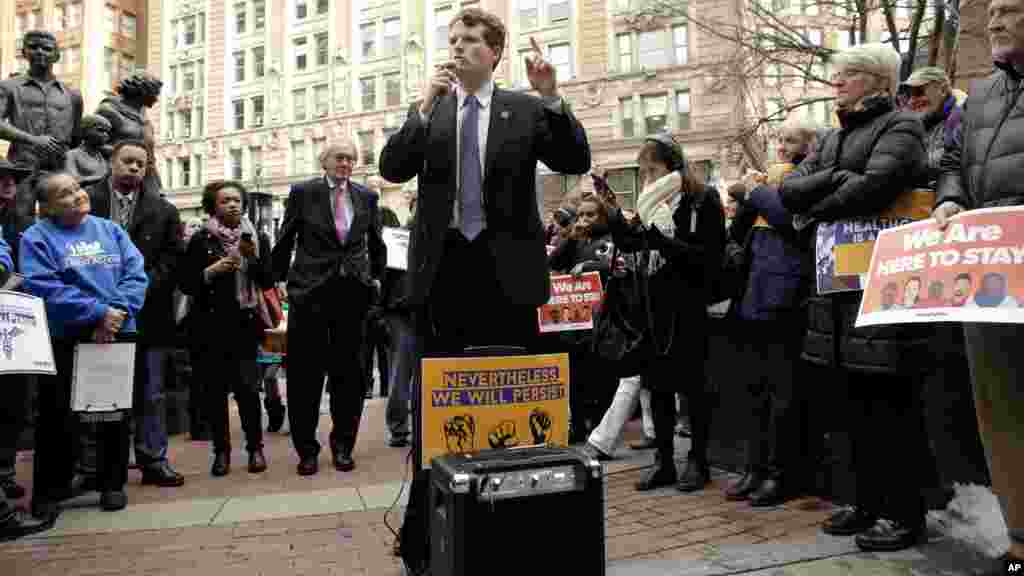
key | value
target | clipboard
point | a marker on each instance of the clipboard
(103, 377)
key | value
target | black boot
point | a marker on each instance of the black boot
(275, 413)
(770, 493)
(696, 476)
(742, 489)
(888, 536)
(663, 473)
(221, 464)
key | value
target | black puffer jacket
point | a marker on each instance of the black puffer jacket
(984, 165)
(858, 171)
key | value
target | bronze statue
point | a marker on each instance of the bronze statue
(88, 163)
(39, 115)
(127, 116)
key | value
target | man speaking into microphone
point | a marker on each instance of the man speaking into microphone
(477, 242)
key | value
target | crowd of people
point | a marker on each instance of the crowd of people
(107, 260)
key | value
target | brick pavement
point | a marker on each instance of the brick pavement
(660, 525)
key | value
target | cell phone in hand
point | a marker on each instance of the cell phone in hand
(247, 236)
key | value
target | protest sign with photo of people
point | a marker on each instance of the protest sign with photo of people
(973, 271)
(572, 303)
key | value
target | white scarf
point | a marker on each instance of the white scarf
(657, 200)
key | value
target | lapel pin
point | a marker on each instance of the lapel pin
(504, 114)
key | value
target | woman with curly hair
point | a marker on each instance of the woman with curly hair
(127, 116)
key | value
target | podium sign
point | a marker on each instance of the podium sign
(25, 346)
(471, 404)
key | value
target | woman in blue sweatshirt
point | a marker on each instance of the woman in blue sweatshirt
(92, 279)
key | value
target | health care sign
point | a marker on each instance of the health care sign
(971, 272)
(472, 404)
(25, 346)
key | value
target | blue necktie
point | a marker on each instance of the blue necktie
(471, 220)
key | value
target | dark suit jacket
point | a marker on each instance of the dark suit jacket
(154, 231)
(308, 228)
(522, 130)
(215, 305)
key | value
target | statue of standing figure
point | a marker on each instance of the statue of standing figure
(39, 115)
(88, 163)
(127, 116)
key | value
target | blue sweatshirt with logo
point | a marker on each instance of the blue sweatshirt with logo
(81, 272)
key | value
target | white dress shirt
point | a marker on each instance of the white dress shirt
(346, 196)
(483, 95)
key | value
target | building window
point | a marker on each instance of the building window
(299, 157)
(368, 37)
(779, 6)
(239, 66)
(186, 123)
(625, 43)
(191, 30)
(393, 89)
(257, 111)
(127, 65)
(301, 9)
(683, 109)
(186, 172)
(624, 183)
(200, 74)
(197, 166)
(109, 19)
(240, 18)
(169, 172)
(258, 55)
(58, 20)
(259, 14)
(318, 149)
(651, 53)
(188, 77)
(392, 39)
(558, 10)
(75, 14)
(239, 114)
(368, 89)
(129, 24)
(680, 44)
(772, 75)
(366, 148)
(560, 56)
(300, 53)
(108, 66)
(528, 14)
(442, 16)
(200, 121)
(170, 125)
(172, 84)
(810, 7)
(321, 49)
(655, 118)
(321, 99)
(321, 6)
(299, 104)
(236, 164)
(626, 111)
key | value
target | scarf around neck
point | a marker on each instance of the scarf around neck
(229, 238)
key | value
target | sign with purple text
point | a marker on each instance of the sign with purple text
(471, 404)
(25, 346)
(973, 271)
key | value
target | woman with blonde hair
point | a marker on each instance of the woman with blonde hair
(859, 171)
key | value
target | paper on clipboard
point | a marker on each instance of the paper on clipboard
(13, 281)
(397, 242)
(103, 377)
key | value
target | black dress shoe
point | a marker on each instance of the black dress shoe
(887, 536)
(113, 501)
(663, 473)
(742, 489)
(343, 461)
(21, 523)
(275, 415)
(848, 522)
(695, 477)
(162, 475)
(11, 489)
(257, 462)
(221, 464)
(646, 444)
(308, 466)
(770, 493)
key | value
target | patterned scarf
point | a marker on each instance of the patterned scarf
(229, 238)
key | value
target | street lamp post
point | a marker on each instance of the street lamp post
(261, 206)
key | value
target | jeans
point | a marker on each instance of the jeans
(403, 362)
(148, 412)
(607, 434)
